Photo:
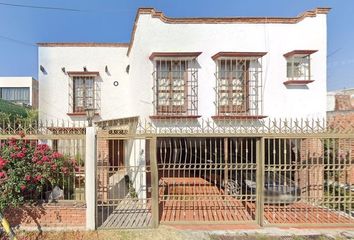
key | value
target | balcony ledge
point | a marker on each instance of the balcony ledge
(297, 82)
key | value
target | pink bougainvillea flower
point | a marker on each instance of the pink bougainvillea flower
(2, 163)
(2, 175)
(12, 142)
(54, 167)
(43, 147)
(23, 187)
(20, 155)
(38, 177)
(45, 159)
(28, 178)
(57, 155)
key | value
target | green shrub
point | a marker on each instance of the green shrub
(11, 110)
(27, 169)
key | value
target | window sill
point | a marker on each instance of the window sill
(161, 117)
(79, 114)
(297, 82)
(237, 117)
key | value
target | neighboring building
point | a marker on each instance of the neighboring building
(340, 112)
(235, 68)
(340, 100)
(19, 90)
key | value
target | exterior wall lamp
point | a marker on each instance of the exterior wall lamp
(90, 113)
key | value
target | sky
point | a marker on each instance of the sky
(112, 21)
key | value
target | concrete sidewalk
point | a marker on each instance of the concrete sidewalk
(190, 232)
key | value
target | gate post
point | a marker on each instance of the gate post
(154, 183)
(260, 155)
(90, 178)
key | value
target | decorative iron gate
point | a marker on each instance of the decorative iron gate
(123, 182)
(200, 179)
(275, 173)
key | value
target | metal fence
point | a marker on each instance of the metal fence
(265, 172)
(274, 172)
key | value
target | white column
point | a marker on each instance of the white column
(90, 176)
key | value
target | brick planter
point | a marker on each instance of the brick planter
(63, 215)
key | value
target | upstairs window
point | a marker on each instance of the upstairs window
(175, 84)
(233, 86)
(84, 92)
(238, 84)
(298, 68)
(171, 86)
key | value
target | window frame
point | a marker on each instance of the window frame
(84, 97)
(305, 61)
(72, 92)
(172, 108)
(252, 106)
(290, 58)
(232, 108)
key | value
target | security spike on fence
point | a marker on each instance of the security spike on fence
(187, 126)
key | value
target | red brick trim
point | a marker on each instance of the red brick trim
(174, 54)
(297, 82)
(83, 44)
(237, 117)
(174, 117)
(223, 20)
(82, 73)
(299, 52)
(238, 54)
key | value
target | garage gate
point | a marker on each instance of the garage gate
(287, 181)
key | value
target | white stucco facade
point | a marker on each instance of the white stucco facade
(134, 95)
(23, 82)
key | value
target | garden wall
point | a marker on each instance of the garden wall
(54, 215)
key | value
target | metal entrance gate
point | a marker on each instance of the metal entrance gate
(269, 176)
(123, 182)
(201, 179)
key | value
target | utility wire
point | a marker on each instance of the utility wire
(61, 8)
(40, 7)
(18, 41)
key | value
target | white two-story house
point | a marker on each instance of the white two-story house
(216, 68)
(234, 69)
